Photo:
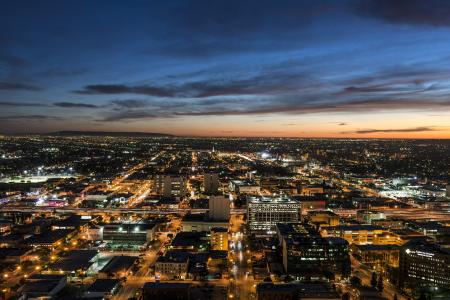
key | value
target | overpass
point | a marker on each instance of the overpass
(119, 210)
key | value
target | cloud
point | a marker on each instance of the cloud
(416, 129)
(75, 105)
(299, 107)
(130, 103)
(283, 88)
(18, 86)
(201, 29)
(98, 89)
(58, 72)
(342, 124)
(266, 83)
(30, 117)
(129, 116)
(20, 104)
(416, 12)
(12, 61)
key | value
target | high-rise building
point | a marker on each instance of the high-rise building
(219, 208)
(316, 257)
(424, 265)
(170, 185)
(307, 255)
(263, 213)
(211, 183)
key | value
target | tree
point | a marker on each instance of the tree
(346, 296)
(380, 285)
(395, 297)
(355, 281)
(422, 296)
(373, 281)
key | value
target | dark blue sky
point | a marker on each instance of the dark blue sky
(258, 68)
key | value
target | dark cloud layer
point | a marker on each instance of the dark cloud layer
(195, 58)
(30, 118)
(124, 89)
(75, 105)
(263, 84)
(416, 129)
(18, 86)
(416, 12)
(19, 104)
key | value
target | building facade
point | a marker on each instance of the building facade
(219, 208)
(170, 185)
(316, 257)
(263, 213)
(211, 183)
(424, 265)
(219, 238)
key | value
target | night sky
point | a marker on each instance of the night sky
(376, 68)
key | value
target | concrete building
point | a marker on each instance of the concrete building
(310, 190)
(219, 208)
(123, 233)
(211, 183)
(42, 286)
(377, 256)
(263, 213)
(316, 257)
(323, 217)
(200, 222)
(76, 264)
(170, 185)
(245, 187)
(173, 265)
(16, 255)
(424, 265)
(166, 290)
(363, 234)
(368, 216)
(295, 291)
(219, 238)
(118, 267)
(102, 288)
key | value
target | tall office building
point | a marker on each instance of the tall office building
(211, 183)
(316, 257)
(170, 185)
(263, 213)
(307, 255)
(424, 265)
(219, 208)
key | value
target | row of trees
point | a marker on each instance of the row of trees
(377, 282)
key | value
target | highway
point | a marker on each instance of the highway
(116, 210)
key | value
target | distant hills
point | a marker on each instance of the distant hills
(109, 133)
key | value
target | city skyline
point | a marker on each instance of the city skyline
(359, 69)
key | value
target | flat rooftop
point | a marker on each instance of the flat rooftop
(265, 199)
(119, 263)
